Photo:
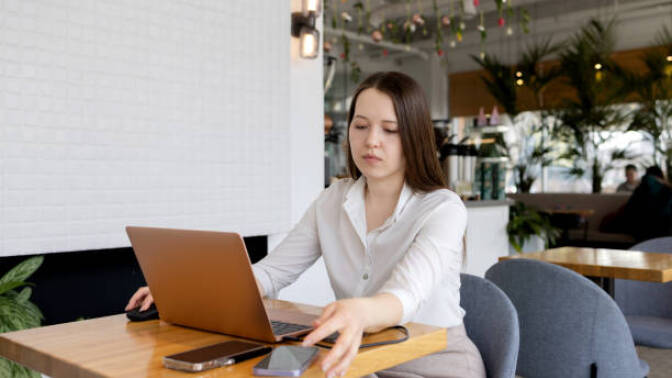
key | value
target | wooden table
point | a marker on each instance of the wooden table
(604, 265)
(113, 346)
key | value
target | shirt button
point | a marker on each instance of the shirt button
(365, 276)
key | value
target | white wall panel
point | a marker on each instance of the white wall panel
(169, 113)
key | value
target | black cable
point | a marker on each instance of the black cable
(334, 336)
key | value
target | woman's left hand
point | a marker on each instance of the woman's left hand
(349, 318)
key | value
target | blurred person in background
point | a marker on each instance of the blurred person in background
(631, 179)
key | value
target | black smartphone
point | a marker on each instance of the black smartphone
(286, 360)
(212, 356)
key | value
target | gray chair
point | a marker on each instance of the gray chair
(648, 305)
(569, 327)
(492, 324)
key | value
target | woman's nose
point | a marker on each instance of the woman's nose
(372, 137)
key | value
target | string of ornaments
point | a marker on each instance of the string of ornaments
(448, 27)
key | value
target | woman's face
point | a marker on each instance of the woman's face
(375, 142)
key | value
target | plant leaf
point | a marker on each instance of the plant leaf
(7, 286)
(24, 295)
(23, 270)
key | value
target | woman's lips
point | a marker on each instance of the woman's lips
(372, 158)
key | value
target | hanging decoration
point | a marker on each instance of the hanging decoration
(500, 10)
(445, 21)
(345, 55)
(355, 72)
(481, 28)
(438, 40)
(359, 6)
(524, 17)
(484, 35)
(452, 24)
(367, 13)
(462, 25)
(448, 28)
(509, 11)
(380, 29)
(457, 27)
(393, 29)
(419, 20)
(409, 26)
(377, 36)
(334, 15)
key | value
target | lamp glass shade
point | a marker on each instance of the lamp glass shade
(310, 43)
(312, 6)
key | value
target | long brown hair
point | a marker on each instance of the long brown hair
(423, 171)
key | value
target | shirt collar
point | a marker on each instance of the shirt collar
(404, 196)
(354, 204)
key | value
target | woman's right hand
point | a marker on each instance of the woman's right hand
(142, 297)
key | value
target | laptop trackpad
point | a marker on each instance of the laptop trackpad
(291, 316)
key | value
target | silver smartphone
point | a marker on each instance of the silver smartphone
(286, 360)
(212, 356)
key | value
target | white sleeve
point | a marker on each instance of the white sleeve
(296, 253)
(434, 256)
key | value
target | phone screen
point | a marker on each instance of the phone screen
(288, 358)
(213, 352)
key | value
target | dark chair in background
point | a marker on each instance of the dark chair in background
(569, 327)
(492, 324)
(648, 305)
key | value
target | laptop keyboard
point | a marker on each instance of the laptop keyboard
(282, 328)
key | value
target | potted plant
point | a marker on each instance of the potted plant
(17, 312)
(587, 119)
(531, 150)
(525, 223)
(653, 90)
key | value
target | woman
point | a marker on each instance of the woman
(391, 236)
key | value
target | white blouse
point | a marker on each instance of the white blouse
(415, 255)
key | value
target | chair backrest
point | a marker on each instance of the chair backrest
(646, 298)
(492, 324)
(568, 324)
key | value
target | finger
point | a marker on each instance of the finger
(339, 350)
(131, 302)
(326, 314)
(325, 329)
(136, 298)
(147, 302)
(342, 367)
(334, 356)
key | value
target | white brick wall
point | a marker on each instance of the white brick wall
(148, 112)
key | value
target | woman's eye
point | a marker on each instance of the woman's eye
(391, 131)
(360, 127)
